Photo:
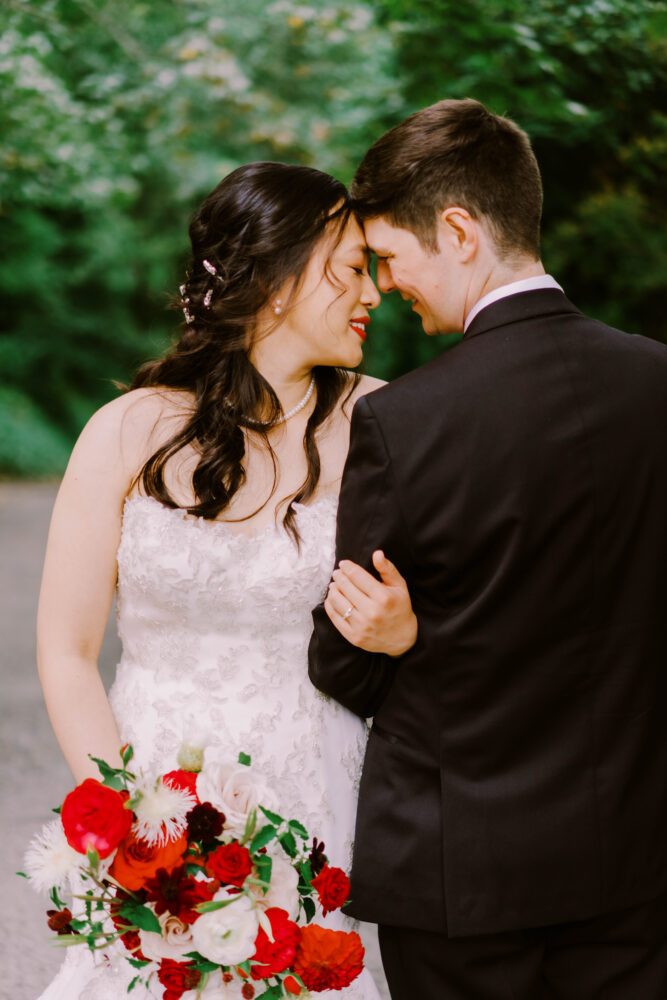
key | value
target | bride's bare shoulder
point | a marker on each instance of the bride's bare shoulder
(133, 426)
(364, 385)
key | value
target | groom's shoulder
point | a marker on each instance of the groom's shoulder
(416, 385)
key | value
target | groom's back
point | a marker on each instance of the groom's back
(530, 466)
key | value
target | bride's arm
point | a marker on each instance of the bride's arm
(77, 588)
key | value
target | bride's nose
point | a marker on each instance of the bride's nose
(370, 297)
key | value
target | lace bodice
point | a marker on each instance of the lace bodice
(215, 626)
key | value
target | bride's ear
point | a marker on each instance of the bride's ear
(458, 232)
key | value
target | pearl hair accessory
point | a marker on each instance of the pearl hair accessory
(278, 307)
(290, 413)
(209, 267)
(189, 318)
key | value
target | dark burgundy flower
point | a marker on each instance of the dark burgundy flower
(59, 921)
(205, 822)
(317, 857)
(248, 991)
(178, 893)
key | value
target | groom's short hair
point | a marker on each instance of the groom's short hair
(454, 153)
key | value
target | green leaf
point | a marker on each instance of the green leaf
(57, 810)
(57, 901)
(111, 776)
(141, 916)
(137, 963)
(272, 992)
(261, 839)
(133, 983)
(306, 872)
(127, 754)
(288, 843)
(22, 874)
(298, 828)
(264, 865)
(244, 965)
(202, 964)
(245, 759)
(274, 817)
(309, 908)
(215, 904)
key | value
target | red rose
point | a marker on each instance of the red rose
(333, 888)
(177, 977)
(292, 986)
(187, 780)
(326, 959)
(230, 863)
(94, 816)
(277, 955)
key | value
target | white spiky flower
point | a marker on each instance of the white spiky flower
(160, 810)
(49, 860)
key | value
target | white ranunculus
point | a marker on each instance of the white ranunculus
(283, 891)
(227, 936)
(235, 790)
(174, 942)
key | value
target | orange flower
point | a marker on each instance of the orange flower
(137, 861)
(326, 959)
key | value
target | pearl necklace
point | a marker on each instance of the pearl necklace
(290, 413)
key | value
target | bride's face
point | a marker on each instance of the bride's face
(330, 312)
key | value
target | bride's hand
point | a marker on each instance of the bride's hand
(375, 615)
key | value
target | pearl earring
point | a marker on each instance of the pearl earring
(278, 307)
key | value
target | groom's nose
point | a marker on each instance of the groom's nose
(384, 279)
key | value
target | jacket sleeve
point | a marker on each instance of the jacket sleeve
(368, 519)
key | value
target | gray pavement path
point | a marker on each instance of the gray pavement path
(33, 774)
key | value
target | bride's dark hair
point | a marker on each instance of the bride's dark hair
(255, 231)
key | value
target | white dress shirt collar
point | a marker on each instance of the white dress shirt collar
(524, 285)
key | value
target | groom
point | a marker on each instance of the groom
(512, 829)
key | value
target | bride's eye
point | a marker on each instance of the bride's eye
(358, 270)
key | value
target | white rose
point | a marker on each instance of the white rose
(227, 935)
(282, 891)
(174, 942)
(235, 791)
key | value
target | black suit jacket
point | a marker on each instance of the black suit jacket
(516, 772)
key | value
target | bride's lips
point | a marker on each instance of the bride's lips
(359, 326)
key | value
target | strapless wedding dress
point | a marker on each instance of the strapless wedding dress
(215, 626)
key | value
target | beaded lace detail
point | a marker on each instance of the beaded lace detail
(215, 626)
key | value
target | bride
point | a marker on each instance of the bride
(207, 495)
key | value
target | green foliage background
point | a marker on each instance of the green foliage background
(118, 116)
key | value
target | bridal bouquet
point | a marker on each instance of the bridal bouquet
(205, 891)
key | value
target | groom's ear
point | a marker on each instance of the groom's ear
(458, 232)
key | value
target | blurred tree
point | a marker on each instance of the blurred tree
(588, 81)
(118, 117)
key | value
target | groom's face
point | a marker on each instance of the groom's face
(427, 280)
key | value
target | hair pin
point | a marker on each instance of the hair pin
(209, 267)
